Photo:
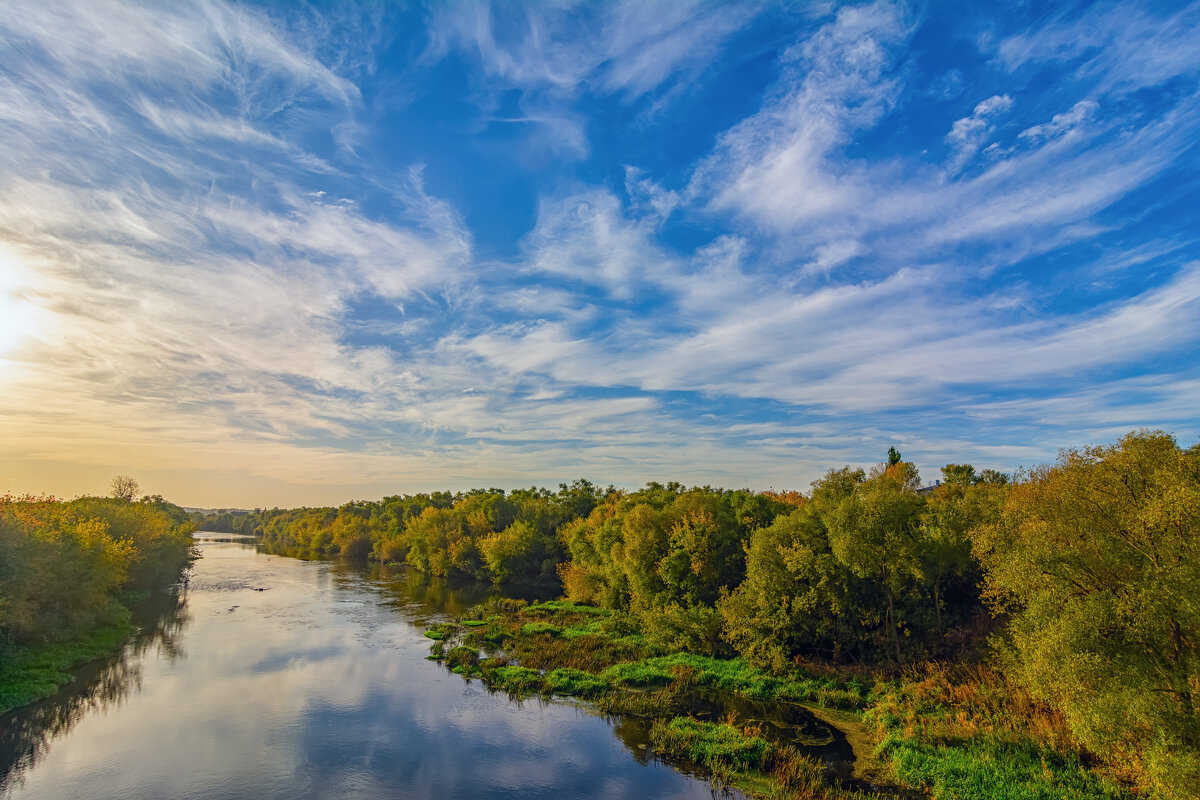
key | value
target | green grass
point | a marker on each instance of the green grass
(465, 657)
(636, 675)
(740, 757)
(574, 683)
(960, 733)
(717, 746)
(517, 680)
(555, 607)
(31, 672)
(539, 628)
(735, 675)
(440, 631)
(992, 769)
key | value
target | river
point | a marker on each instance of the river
(270, 676)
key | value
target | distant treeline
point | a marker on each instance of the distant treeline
(63, 563)
(866, 567)
(1086, 573)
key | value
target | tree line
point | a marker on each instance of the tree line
(64, 563)
(1084, 575)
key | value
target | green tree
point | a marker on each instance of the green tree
(873, 532)
(963, 502)
(1097, 561)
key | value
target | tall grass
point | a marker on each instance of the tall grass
(966, 732)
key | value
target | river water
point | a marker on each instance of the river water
(271, 676)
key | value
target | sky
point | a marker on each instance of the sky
(287, 254)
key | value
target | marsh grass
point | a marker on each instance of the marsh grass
(560, 607)
(574, 683)
(945, 733)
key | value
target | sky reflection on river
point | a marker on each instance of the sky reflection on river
(316, 686)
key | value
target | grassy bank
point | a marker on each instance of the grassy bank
(966, 732)
(740, 757)
(949, 734)
(30, 672)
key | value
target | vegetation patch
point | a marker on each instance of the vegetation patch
(540, 629)
(557, 607)
(517, 680)
(574, 683)
(31, 672)
(961, 733)
(717, 746)
(440, 631)
(741, 757)
(465, 657)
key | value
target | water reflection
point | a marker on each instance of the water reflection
(275, 677)
(26, 734)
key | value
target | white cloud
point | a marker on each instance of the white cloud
(777, 166)
(554, 53)
(586, 237)
(1121, 47)
(968, 134)
(1079, 113)
(629, 48)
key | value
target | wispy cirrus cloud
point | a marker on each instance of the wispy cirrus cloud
(553, 54)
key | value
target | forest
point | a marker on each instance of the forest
(1078, 582)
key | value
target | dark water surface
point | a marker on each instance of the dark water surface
(316, 686)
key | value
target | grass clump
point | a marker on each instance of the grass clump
(574, 683)
(741, 757)
(637, 674)
(557, 607)
(517, 680)
(440, 631)
(465, 657)
(737, 676)
(540, 628)
(717, 746)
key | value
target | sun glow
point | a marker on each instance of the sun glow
(17, 315)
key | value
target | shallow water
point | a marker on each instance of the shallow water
(270, 676)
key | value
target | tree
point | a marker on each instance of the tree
(873, 532)
(1097, 561)
(894, 457)
(963, 502)
(123, 487)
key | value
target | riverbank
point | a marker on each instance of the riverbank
(933, 732)
(32, 672)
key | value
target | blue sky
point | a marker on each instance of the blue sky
(283, 254)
